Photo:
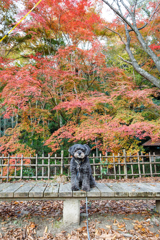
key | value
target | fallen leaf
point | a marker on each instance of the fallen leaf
(108, 226)
(32, 225)
(46, 229)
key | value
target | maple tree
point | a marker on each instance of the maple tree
(63, 90)
(76, 101)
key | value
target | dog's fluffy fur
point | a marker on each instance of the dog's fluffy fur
(81, 172)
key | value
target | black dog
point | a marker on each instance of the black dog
(81, 172)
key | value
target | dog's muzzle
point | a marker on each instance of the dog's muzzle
(79, 154)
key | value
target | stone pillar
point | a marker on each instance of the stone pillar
(71, 211)
(158, 205)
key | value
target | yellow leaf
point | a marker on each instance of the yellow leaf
(46, 229)
(97, 232)
(108, 226)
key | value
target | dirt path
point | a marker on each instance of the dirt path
(107, 220)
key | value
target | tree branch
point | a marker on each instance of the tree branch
(119, 14)
(117, 34)
(150, 19)
(134, 7)
(154, 12)
(126, 7)
(134, 27)
(136, 66)
(130, 30)
(125, 60)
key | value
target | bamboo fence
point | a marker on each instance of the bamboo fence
(107, 166)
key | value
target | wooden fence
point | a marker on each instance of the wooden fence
(108, 166)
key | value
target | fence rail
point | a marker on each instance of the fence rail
(108, 166)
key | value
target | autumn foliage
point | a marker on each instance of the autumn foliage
(65, 89)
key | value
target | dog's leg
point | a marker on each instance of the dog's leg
(74, 180)
(86, 184)
(92, 182)
(86, 180)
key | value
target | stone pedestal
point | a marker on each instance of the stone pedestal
(71, 211)
(158, 205)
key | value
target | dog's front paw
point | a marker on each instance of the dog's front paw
(86, 188)
(75, 188)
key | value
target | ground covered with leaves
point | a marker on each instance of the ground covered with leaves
(110, 219)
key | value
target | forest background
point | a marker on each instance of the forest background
(68, 76)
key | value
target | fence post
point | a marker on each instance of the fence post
(131, 160)
(8, 168)
(21, 166)
(15, 169)
(106, 162)
(143, 167)
(119, 166)
(155, 167)
(114, 166)
(150, 163)
(62, 162)
(101, 165)
(55, 169)
(42, 165)
(48, 166)
(125, 164)
(36, 166)
(94, 168)
(139, 168)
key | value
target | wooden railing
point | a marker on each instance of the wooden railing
(108, 166)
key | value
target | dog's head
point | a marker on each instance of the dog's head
(79, 151)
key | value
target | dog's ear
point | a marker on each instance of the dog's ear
(71, 150)
(88, 150)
